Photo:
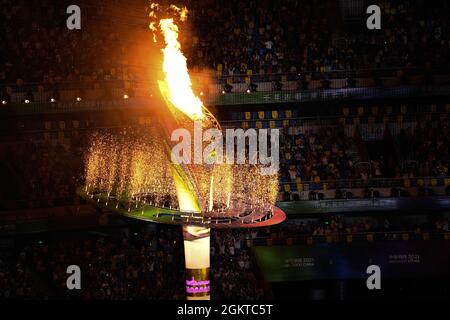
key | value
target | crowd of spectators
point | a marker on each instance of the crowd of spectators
(413, 34)
(144, 267)
(44, 173)
(38, 47)
(424, 150)
(234, 37)
(324, 154)
(233, 267)
(148, 263)
(338, 225)
(261, 37)
(318, 155)
(16, 280)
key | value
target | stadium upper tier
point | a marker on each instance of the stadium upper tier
(374, 151)
(238, 42)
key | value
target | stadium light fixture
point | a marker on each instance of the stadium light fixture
(4, 102)
(125, 96)
(27, 101)
(248, 91)
(223, 91)
(78, 99)
(201, 93)
(52, 100)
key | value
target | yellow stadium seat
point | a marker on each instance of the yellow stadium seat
(274, 114)
(260, 114)
(272, 124)
(288, 113)
(245, 125)
(247, 115)
(287, 188)
(299, 187)
(258, 124)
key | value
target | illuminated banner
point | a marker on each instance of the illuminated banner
(347, 261)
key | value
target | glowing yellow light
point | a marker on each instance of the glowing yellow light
(177, 81)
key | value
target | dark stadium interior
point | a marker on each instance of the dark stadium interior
(363, 117)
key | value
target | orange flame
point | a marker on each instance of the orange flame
(177, 85)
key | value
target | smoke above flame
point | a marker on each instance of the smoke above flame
(177, 85)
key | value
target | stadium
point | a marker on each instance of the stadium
(97, 202)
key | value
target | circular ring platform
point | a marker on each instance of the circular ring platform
(247, 218)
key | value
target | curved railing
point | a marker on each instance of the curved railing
(364, 79)
(329, 74)
(371, 183)
(255, 77)
(310, 239)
